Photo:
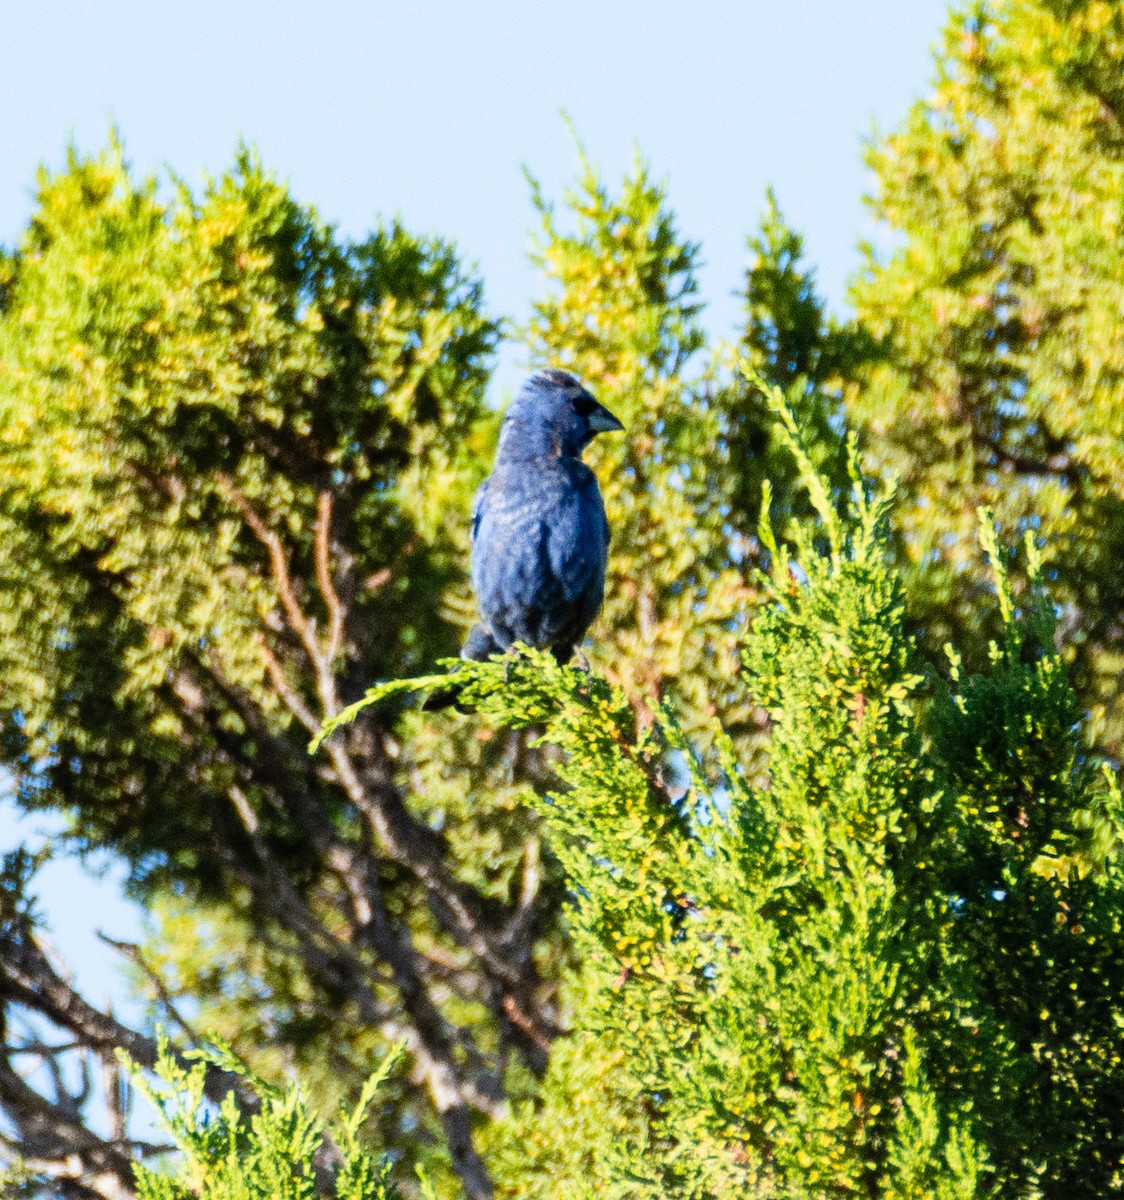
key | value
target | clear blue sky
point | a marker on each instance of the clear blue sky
(430, 109)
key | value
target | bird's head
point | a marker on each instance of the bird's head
(552, 414)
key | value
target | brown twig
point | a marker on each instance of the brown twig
(279, 565)
(336, 610)
(284, 688)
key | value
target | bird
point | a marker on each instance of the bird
(540, 538)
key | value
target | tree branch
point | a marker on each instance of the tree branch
(279, 565)
(337, 610)
(409, 843)
(28, 978)
(133, 953)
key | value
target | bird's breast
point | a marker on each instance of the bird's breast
(540, 548)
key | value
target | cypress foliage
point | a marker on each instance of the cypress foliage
(842, 907)
(264, 1148)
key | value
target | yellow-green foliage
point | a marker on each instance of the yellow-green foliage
(219, 424)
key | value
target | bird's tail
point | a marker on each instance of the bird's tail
(479, 646)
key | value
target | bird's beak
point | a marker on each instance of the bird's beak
(601, 420)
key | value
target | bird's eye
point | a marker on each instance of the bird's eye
(584, 404)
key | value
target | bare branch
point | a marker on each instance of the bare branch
(133, 953)
(50, 1142)
(284, 688)
(336, 610)
(28, 978)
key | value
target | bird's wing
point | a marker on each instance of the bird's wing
(577, 536)
(539, 552)
(478, 507)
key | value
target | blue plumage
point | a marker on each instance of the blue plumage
(540, 540)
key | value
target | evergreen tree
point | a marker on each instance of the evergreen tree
(994, 371)
(790, 341)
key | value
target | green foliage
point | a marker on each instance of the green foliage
(788, 343)
(1031, 937)
(165, 364)
(994, 371)
(786, 324)
(268, 1154)
(229, 442)
(842, 905)
(570, 1137)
